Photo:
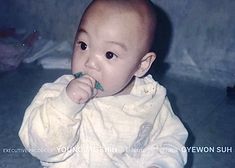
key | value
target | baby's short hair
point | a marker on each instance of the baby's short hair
(145, 10)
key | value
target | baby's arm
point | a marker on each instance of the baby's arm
(165, 146)
(51, 123)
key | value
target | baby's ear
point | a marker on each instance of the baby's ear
(145, 64)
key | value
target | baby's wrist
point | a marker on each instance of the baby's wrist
(65, 105)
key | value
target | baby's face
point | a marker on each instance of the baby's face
(108, 48)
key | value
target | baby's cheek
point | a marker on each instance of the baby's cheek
(111, 88)
(114, 80)
(77, 66)
(114, 86)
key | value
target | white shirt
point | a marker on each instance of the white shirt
(135, 130)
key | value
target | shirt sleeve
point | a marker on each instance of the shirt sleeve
(165, 145)
(51, 123)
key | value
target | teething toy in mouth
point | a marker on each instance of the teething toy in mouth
(98, 86)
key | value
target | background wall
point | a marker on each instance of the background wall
(203, 44)
(55, 19)
(201, 33)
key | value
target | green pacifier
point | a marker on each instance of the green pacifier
(97, 84)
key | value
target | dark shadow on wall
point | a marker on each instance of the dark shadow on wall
(161, 44)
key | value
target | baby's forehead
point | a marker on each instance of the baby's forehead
(140, 9)
(136, 15)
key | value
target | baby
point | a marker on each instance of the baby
(109, 113)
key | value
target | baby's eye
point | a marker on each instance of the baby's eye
(83, 45)
(110, 55)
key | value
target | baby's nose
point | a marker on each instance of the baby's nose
(92, 63)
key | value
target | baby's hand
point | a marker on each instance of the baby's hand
(81, 90)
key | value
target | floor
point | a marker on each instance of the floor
(206, 112)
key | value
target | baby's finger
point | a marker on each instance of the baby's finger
(86, 87)
(95, 92)
(85, 81)
(88, 80)
(92, 80)
(84, 96)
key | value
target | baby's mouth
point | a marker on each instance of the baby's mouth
(98, 86)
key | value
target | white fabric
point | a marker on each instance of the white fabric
(136, 130)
